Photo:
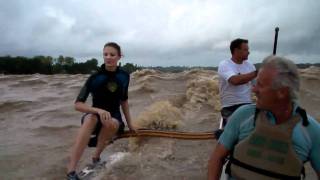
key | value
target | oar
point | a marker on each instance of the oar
(275, 41)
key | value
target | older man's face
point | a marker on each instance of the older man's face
(267, 97)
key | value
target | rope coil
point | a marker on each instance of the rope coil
(168, 134)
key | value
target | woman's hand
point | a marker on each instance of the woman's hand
(104, 115)
(133, 128)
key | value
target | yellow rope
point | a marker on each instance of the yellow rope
(168, 134)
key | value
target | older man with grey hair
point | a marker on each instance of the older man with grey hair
(274, 138)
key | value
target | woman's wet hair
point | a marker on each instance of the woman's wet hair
(114, 45)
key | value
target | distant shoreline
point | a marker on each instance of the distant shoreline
(68, 65)
(171, 69)
(183, 68)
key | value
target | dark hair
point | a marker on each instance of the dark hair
(114, 45)
(237, 44)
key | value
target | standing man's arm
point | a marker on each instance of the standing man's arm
(242, 78)
(230, 74)
(216, 162)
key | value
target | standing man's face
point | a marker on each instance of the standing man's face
(244, 51)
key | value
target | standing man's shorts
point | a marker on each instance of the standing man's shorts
(226, 112)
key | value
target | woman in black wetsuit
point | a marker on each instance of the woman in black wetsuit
(101, 121)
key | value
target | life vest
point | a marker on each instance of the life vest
(268, 152)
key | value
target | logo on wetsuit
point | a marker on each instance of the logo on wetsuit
(112, 86)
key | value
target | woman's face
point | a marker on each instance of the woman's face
(111, 56)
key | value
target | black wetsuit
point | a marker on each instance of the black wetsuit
(107, 89)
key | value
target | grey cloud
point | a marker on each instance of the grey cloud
(159, 33)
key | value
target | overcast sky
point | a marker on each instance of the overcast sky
(160, 32)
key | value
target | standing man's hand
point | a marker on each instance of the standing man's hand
(254, 73)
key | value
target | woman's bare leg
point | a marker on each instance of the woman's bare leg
(105, 135)
(82, 140)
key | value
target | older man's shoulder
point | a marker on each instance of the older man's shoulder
(247, 109)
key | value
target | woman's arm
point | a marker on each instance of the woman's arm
(83, 107)
(126, 112)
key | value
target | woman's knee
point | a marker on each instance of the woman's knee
(112, 125)
(90, 120)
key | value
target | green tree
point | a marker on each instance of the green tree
(129, 67)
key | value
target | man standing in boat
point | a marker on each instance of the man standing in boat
(235, 76)
(274, 138)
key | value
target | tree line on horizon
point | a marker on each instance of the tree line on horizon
(68, 65)
(50, 65)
